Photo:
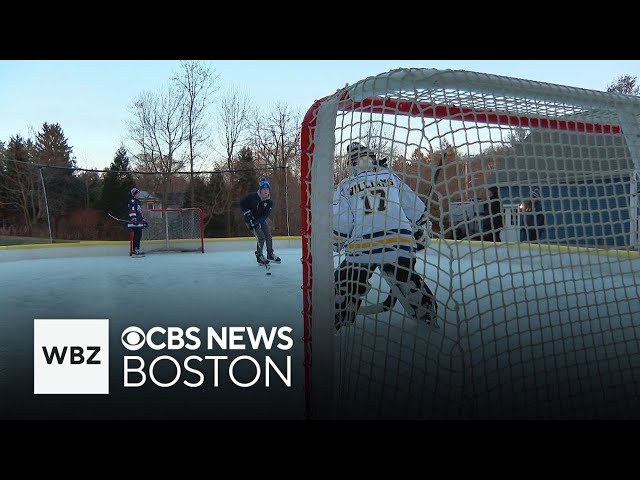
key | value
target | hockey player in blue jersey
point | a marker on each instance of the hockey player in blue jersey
(136, 220)
(376, 218)
(256, 208)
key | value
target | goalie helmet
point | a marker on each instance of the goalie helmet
(361, 159)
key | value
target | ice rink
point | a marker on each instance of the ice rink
(550, 335)
(524, 331)
(222, 287)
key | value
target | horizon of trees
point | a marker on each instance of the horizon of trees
(171, 134)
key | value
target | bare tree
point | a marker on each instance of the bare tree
(197, 83)
(20, 182)
(233, 121)
(625, 84)
(276, 142)
(158, 132)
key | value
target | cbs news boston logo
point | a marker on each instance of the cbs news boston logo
(71, 357)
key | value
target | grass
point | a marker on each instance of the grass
(11, 240)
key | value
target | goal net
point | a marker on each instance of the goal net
(537, 289)
(172, 230)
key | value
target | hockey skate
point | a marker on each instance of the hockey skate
(420, 305)
(272, 257)
(345, 316)
(346, 311)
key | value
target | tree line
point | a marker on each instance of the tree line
(209, 148)
(186, 143)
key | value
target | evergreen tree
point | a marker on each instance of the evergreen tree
(52, 148)
(246, 177)
(115, 190)
(64, 190)
(220, 198)
(245, 181)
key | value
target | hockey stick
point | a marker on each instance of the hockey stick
(126, 221)
(119, 219)
(397, 295)
(266, 265)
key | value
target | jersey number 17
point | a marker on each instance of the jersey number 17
(374, 201)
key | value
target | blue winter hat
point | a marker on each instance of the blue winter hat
(264, 183)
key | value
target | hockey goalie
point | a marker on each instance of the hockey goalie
(379, 222)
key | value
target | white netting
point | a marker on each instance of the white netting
(173, 230)
(543, 322)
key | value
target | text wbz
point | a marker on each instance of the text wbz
(76, 355)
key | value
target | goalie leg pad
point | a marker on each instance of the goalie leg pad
(414, 294)
(352, 286)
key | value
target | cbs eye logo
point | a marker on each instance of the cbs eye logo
(133, 338)
(160, 338)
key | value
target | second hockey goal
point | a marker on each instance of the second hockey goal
(173, 230)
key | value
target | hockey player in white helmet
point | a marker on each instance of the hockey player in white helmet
(375, 216)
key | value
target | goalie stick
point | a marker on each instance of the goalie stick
(396, 294)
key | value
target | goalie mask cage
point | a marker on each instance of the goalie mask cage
(542, 328)
(172, 230)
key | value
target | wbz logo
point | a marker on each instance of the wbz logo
(71, 357)
(76, 355)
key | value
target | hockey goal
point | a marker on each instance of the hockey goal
(172, 230)
(539, 309)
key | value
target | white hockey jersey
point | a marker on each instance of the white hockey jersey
(374, 214)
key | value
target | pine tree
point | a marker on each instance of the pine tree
(220, 198)
(117, 185)
(246, 178)
(64, 191)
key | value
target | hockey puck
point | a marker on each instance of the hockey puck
(268, 273)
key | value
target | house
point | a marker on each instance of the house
(587, 184)
(153, 200)
(149, 200)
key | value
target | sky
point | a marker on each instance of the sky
(91, 99)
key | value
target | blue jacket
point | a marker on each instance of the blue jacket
(135, 211)
(260, 209)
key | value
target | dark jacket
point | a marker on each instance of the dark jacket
(532, 220)
(135, 211)
(493, 212)
(260, 209)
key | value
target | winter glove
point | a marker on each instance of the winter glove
(248, 219)
(257, 225)
(134, 220)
